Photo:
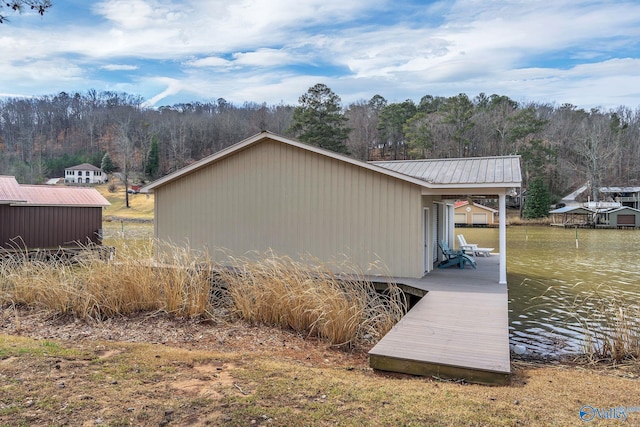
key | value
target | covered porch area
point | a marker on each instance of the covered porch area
(445, 229)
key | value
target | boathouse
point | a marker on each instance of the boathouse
(572, 216)
(470, 214)
(622, 217)
(45, 216)
(273, 193)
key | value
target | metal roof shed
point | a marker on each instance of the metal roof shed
(269, 192)
(41, 216)
(570, 216)
(623, 217)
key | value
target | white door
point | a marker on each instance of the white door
(426, 241)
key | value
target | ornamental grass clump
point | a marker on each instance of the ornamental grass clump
(308, 297)
(304, 295)
(92, 287)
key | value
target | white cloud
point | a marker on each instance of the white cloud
(119, 67)
(210, 61)
(172, 87)
(138, 14)
(255, 50)
(265, 58)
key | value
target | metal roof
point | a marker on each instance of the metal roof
(578, 210)
(487, 172)
(620, 189)
(462, 203)
(464, 171)
(10, 190)
(41, 195)
(623, 208)
(46, 195)
(84, 167)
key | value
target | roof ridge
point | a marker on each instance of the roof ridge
(509, 156)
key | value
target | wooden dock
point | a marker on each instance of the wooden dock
(458, 330)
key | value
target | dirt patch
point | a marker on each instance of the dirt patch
(206, 380)
(102, 390)
(105, 354)
(197, 387)
(158, 328)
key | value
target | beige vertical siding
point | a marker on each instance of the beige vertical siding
(295, 202)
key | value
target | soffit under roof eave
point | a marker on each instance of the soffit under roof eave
(468, 189)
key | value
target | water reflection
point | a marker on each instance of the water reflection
(549, 277)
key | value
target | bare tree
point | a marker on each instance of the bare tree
(596, 148)
(364, 117)
(18, 6)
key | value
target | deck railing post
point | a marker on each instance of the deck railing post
(503, 238)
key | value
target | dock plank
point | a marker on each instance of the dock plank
(459, 329)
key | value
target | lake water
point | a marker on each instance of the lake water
(548, 279)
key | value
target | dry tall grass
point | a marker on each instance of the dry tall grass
(184, 283)
(516, 220)
(308, 297)
(610, 322)
(89, 287)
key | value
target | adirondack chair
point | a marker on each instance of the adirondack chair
(454, 257)
(473, 249)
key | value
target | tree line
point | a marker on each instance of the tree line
(563, 146)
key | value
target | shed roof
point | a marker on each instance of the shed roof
(620, 189)
(10, 190)
(623, 208)
(463, 203)
(40, 195)
(506, 171)
(16, 194)
(84, 167)
(578, 210)
(471, 171)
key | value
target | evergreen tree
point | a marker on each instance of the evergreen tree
(106, 164)
(391, 127)
(319, 119)
(153, 159)
(538, 201)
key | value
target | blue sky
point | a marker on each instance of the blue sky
(564, 51)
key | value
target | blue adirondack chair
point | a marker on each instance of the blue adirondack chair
(454, 257)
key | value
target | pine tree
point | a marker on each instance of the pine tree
(538, 201)
(153, 159)
(319, 119)
(106, 164)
